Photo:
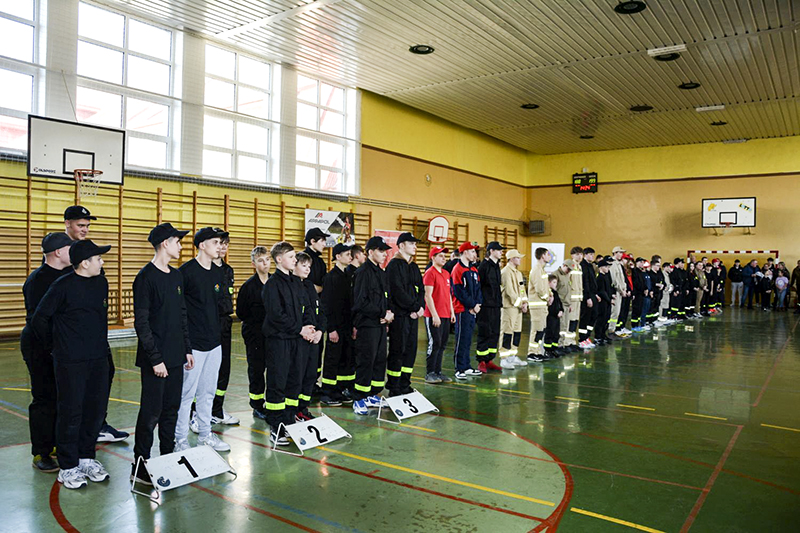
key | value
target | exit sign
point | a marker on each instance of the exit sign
(584, 182)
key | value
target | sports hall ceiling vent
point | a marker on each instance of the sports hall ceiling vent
(630, 7)
(586, 137)
(719, 123)
(707, 108)
(421, 49)
(667, 53)
(530, 106)
(641, 108)
(689, 85)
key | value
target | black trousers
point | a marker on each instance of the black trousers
(488, 333)
(437, 341)
(158, 405)
(302, 376)
(280, 354)
(256, 368)
(551, 332)
(337, 354)
(624, 311)
(676, 305)
(403, 335)
(601, 321)
(638, 302)
(44, 407)
(82, 400)
(588, 319)
(224, 375)
(111, 371)
(346, 378)
(370, 349)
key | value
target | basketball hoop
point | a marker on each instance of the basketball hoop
(87, 181)
(438, 230)
(725, 230)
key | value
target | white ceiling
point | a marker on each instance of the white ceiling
(583, 63)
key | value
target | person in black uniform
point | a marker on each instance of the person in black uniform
(316, 240)
(37, 357)
(489, 318)
(678, 279)
(74, 315)
(218, 414)
(455, 257)
(605, 294)
(250, 310)
(284, 300)
(407, 302)
(590, 300)
(163, 348)
(337, 301)
(555, 310)
(303, 375)
(371, 315)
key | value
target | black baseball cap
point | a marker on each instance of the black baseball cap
(85, 249)
(54, 241)
(206, 233)
(678, 260)
(341, 248)
(406, 236)
(164, 231)
(377, 243)
(315, 234)
(604, 263)
(78, 212)
(494, 245)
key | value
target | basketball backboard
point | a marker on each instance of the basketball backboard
(732, 212)
(57, 147)
(438, 229)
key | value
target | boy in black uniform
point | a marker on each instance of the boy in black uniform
(676, 299)
(250, 310)
(489, 318)
(407, 302)
(604, 294)
(555, 310)
(371, 315)
(303, 375)
(37, 357)
(590, 300)
(316, 240)
(163, 348)
(218, 414)
(74, 311)
(337, 300)
(284, 300)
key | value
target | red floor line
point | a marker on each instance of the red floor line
(401, 484)
(58, 513)
(13, 445)
(703, 495)
(9, 411)
(520, 455)
(775, 365)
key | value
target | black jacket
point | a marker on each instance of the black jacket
(337, 299)
(489, 274)
(604, 288)
(405, 287)
(735, 274)
(556, 307)
(589, 280)
(370, 296)
(312, 309)
(284, 301)
(226, 294)
(318, 267)
(250, 310)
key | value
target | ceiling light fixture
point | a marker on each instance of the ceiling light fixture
(530, 106)
(706, 108)
(689, 85)
(587, 136)
(735, 141)
(667, 53)
(630, 7)
(718, 123)
(641, 108)
(421, 49)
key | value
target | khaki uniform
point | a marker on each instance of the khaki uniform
(538, 294)
(618, 283)
(575, 299)
(512, 287)
(563, 289)
(665, 297)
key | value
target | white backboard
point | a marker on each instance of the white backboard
(57, 147)
(739, 212)
(556, 253)
(438, 229)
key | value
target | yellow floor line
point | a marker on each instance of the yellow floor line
(439, 478)
(706, 416)
(780, 427)
(571, 399)
(16, 389)
(516, 391)
(635, 407)
(449, 383)
(417, 427)
(123, 401)
(615, 520)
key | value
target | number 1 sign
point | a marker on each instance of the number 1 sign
(407, 406)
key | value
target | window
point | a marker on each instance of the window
(18, 73)
(236, 129)
(125, 71)
(325, 157)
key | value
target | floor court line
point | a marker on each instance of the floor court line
(706, 416)
(781, 427)
(636, 407)
(778, 359)
(615, 520)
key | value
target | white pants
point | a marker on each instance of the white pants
(200, 382)
(736, 293)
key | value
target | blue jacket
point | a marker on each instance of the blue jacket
(747, 275)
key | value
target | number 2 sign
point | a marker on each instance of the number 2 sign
(313, 433)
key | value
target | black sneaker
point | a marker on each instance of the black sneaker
(260, 413)
(535, 358)
(445, 379)
(45, 464)
(109, 434)
(346, 396)
(140, 475)
(329, 401)
(306, 414)
(279, 438)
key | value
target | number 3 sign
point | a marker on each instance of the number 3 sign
(407, 406)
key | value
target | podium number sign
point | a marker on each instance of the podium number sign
(313, 433)
(407, 406)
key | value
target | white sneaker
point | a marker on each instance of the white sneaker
(213, 441)
(518, 362)
(181, 445)
(374, 401)
(627, 331)
(73, 478)
(473, 372)
(193, 424)
(93, 470)
(507, 363)
(227, 419)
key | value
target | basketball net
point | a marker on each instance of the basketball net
(87, 182)
(724, 231)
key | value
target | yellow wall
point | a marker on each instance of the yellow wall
(761, 156)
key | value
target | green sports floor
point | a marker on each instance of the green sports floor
(694, 427)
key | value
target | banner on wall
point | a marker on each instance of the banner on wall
(390, 236)
(337, 224)
(556, 251)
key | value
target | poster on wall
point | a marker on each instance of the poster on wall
(337, 224)
(556, 251)
(390, 236)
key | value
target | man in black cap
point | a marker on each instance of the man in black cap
(337, 300)
(315, 244)
(42, 411)
(606, 295)
(371, 315)
(164, 346)
(489, 317)
(74, 316)
(407, 302)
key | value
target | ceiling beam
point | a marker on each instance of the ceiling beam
(266, 21)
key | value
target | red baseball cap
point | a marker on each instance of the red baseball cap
(629, 257)
(467, 246)
(436, 250)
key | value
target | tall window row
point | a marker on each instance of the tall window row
(219, 116)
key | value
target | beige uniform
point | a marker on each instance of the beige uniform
(668, 288)
(563, 289)
(575, 300)
(512, 288)
(538, 294)
(618, 283)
